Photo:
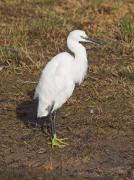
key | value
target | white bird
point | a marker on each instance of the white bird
(59, 77)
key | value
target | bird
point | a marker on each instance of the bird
(59, 78)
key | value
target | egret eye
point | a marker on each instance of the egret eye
(85, 38)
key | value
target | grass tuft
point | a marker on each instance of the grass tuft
(127, 28)
(50, 22)
(9, 54)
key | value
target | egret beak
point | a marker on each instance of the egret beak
(94, 40)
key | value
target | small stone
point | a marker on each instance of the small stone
(91, 111)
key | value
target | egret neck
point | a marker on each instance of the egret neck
(80, 60)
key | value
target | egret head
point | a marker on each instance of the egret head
(81, 36)
(78, 35)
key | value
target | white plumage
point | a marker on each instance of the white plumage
(60, 75)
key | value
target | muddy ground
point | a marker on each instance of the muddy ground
(98, 119)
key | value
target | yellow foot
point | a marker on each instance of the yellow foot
(58, 142)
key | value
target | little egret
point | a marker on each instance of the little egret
(59, 77)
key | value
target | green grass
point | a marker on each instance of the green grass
(8, 52)
(127, 28)
(2, 1)
(49, 2)
(49, 22)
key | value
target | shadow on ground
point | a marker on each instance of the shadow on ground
(26, 112)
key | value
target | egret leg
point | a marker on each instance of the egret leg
(54, 140)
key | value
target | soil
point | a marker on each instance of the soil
(100, 136)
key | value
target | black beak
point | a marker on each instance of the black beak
(94, 41)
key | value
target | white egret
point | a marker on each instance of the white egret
(59, 77)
